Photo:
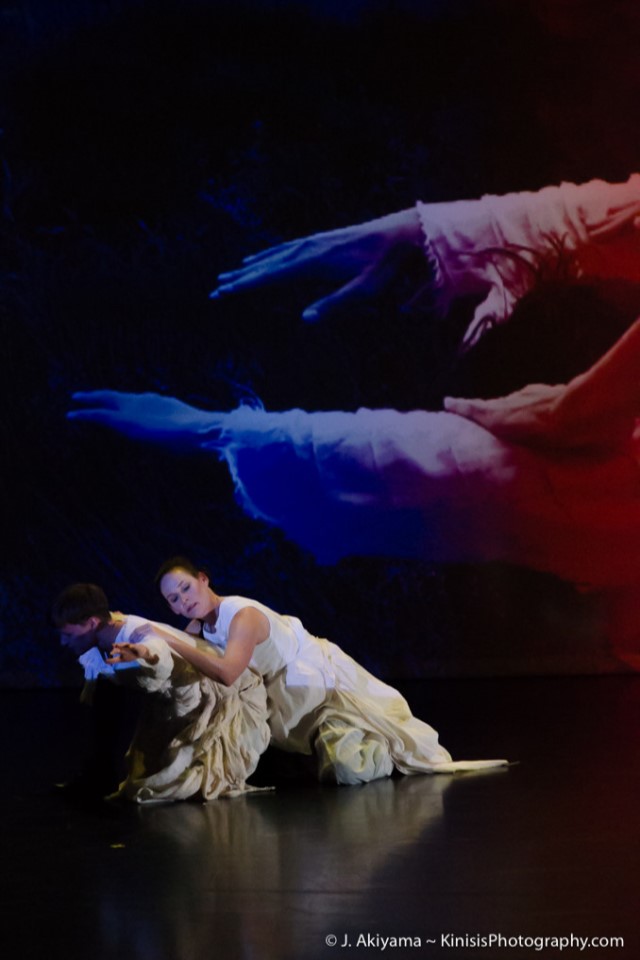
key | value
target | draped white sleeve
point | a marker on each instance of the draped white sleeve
(370, 482)
(487, 246)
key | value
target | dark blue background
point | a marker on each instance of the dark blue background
(149, 145)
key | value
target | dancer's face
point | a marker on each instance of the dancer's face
(188, 596)
(80, 637)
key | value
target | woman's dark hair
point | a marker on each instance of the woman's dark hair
(179, 563)
(78, 603)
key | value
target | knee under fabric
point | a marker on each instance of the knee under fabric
(350, 756)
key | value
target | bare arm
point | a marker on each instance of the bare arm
(248, 628)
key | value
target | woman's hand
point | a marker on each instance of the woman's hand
(526, 416)
(147, 416)
(596, 410)
(365, 261)
(126, 652)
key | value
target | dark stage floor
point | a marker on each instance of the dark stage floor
(548, 848)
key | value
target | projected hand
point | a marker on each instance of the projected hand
(147, 416)
(597, 409)
(365, 261)
(526, 416)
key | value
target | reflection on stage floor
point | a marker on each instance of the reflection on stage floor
(546, 848)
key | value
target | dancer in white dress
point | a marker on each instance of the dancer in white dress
(195, 737)
(319, 699)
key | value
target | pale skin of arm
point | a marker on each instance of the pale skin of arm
(248, 628)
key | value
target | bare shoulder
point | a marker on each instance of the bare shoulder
(251, 623)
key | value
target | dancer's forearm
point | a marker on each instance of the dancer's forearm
(212, 666)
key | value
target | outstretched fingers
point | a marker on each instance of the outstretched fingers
(275, 251)
(369, 283)
(150, 417)
(268, 266)
(104, 417)
(108, 399)
(305, 248)
(486, 413)
(462, 407)
(333, 255)
(110, 408)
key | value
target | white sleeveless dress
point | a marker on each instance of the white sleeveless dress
(320, 700)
